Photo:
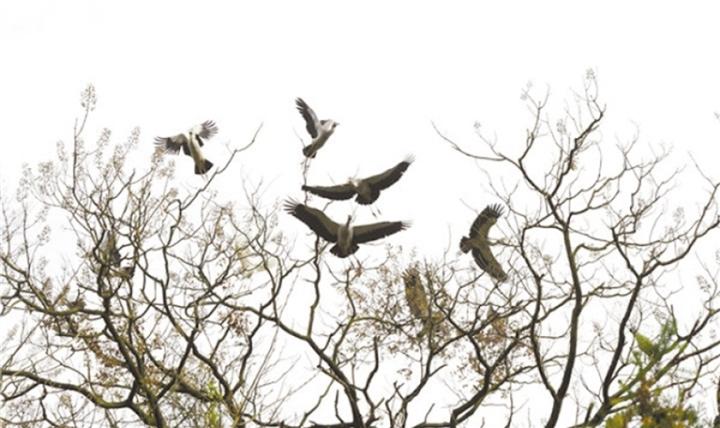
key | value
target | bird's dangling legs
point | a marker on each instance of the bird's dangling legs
(375, 211)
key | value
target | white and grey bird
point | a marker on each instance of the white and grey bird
(345, 236)
(319, 130)
(190, 143)
(478, 242)
(367, 189)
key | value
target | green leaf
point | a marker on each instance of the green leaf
(645, 345)
(617, 421)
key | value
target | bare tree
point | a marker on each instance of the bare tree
(177, 307)
(594, 240)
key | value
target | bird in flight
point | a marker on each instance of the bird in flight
(345, 236)
(367, 189)
(478, 242)
(319, 130)
(190, 143)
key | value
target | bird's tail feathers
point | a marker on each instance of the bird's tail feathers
(465, 245)
(205, 167)
(336, 251)
(309, 151)
(497, 273)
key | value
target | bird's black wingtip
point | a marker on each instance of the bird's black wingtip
(309, 151)
(494, 210)
(290, 205)
(210, 125)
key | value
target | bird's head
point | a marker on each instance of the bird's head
(196, 129)
(349, 219)
(194, 136)
(354, 181)
(333, 124)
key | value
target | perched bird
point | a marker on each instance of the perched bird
(111, 259)
(319, 130)
(190, 144)
(110, 254)
(345, 236)
(367, 189)
(415, 294)
(478, 242)
(417, 299)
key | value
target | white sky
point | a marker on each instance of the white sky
(384, 70)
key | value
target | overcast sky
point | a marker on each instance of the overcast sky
(384, 70)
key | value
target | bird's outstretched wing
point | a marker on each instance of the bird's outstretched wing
(485, 220)
(336, 193)
(173, 144)
(371, 232)
(207, 129)
(391, 176)
(487, 262)
(311, 121)
(315, 219)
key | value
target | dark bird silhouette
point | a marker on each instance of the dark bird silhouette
(190, 143)
(478, 242)
(345, 236)
(367, 189)
(319, 130)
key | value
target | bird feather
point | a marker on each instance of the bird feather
(387, 178)
(336, 193)
(373, 231)
(315, 219)
(311, 120)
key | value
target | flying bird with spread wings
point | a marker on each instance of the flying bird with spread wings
(367, 189)
(190, 144)
(345, 236)
(478, 242)
(319, 130)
